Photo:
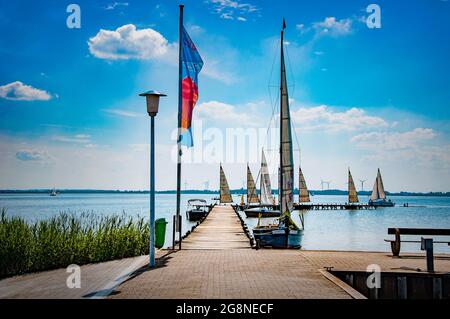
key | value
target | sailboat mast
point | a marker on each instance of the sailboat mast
(180, 103)
(281, 119)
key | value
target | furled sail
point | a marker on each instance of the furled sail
(303, 190)
(252, 196)
(266, 188)
(287, 161)
(225, 195)
(352, 193)
(378, 188)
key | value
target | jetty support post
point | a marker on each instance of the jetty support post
(427, 245)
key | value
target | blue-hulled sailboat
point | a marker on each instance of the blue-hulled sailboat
(284, 234)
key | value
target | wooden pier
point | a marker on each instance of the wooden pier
(303, 207)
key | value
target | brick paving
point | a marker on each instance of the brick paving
(96, 281)
(216, 262)
(358, 261)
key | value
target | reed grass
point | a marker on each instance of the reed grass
(66, 239)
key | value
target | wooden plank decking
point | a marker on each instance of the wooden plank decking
(221, 230)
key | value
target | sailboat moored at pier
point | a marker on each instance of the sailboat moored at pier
(267, 201)
(285, 234)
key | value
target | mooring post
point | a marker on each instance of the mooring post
(427, 245)
(174, 230)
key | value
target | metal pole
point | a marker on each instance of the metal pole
(180, 102)
(152, 192)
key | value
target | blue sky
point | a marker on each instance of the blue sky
(70, 115)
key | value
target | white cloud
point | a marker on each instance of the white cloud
(213, 70)
(229, 8)
(226, 113)
(31, 155)
(17, 91)
(393, 140)
(112, 6)
(323, 118)
(333, 27)
(77, 139)
(127, 42)
(123, 113)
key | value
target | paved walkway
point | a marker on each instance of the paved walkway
(216, 262)
(97, 281)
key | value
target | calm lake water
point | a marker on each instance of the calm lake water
(327, 230)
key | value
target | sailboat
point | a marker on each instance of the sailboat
(265, 208)
(303, 193)
(352, 193)
(225, 194)
(286, 234)
(53, 192)
(378, 197)
(252, 195)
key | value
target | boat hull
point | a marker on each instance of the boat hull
(381, 203)
(196, 215)
(279, 237)
(262, 211)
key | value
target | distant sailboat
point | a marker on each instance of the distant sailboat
(352, 193)
(266, 187)
(53, 192)
(303, 193)
(265, 208)
(378, 197)
(225, 195)
(286, 234)
(252, 195)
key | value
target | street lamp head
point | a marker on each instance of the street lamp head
(152, 98)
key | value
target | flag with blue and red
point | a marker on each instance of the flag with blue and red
(191, 65)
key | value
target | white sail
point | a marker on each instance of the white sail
(287, 161)
(252, 196)
(378, 188)
(375, 194)
(303, 193)
(225, 195)
(352, 193)
(266, 188)
(381, 193)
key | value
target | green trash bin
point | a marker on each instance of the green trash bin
(160, 232)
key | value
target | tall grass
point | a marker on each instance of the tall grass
(68, 239)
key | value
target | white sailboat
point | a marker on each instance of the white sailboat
(286, 234)
(378, 197)
(352, 193)
(265, 207)
(225, 194)
(252, 195)
(303, 193)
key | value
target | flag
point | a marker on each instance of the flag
(191, 65)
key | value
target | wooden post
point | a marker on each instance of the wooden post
(395, 245)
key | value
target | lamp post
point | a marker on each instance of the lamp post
(152, 98)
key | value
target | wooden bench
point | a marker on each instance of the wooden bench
(395, 244)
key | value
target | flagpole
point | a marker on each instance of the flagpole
(180, 105)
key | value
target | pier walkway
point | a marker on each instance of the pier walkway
(216, 261)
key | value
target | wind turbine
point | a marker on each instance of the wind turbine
(362, 184)
(185, 185)
(206, 185)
